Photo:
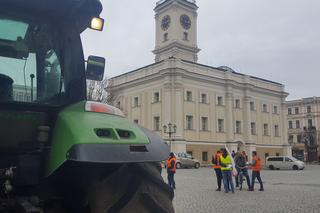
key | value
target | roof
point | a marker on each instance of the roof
(226, 69)
(137, 69)
(221, 68)
(161, 2)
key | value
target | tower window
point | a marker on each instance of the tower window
(185, 36)
(165, 37)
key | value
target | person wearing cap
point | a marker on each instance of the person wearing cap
(171, 170)
(226, 169)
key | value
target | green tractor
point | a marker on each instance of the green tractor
(59, 152)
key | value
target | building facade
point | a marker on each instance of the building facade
(303, 128)
(212, 107)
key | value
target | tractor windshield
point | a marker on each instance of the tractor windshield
(30, 63)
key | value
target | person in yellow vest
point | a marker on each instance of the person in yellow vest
(256, 167)
(226, 169)
(217, 169)
(171, 170)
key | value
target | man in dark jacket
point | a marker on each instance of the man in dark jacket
(242, 170)
(217, 169)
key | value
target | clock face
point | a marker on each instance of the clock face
(185, 21)
(165, 23)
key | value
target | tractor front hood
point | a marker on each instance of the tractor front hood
(155, 151)
(95, 137)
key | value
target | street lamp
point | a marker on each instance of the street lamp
(170, 129)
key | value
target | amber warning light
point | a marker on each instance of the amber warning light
(97, 23)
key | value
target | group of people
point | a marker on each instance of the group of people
(225, 169)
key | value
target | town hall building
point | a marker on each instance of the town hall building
(210, 106)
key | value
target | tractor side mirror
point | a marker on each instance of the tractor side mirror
(95, 68)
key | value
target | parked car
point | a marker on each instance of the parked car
(187, 161)
(284, 162)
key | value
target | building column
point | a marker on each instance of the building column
(229, 115)
(247, 119)
(178, 144)
(232, 146)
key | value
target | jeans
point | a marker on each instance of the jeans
(171, 181)
(227, 181)
(241, 173)
(256, 174)
(219, 177)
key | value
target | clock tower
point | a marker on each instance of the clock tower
(176, 30)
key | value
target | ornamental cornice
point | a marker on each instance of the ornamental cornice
(175, 44)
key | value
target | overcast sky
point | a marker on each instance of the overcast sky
(278, 40)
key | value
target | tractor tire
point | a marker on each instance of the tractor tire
(136, 187)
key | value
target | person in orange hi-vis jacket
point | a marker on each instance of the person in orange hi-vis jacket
(256, 167)
(171, 170)
(217, 168)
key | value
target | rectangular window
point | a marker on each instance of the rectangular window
(289, 111)
(308, 109)
(136, 101)
(290, 124)
(275, 109)
(118, 104)
(204, 98)
(185, 36)
(238, 127)
(204, 156)
(237, 103)
(220, 125)
(252, 108)
(156, 97)
(290, 139)
(253, 128)
(297, 124)
(299, 139)
(309, 123)
(296, 110)
(264, 108)
(204, 123)
(189, 152)
(276, 131)
(265, 129)
(189, 122)
(136, 121)
(156, 123)
(189, 96)
(219, 101)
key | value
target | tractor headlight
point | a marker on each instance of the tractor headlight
(102, 108)
(97, 23)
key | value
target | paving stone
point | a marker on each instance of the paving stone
(285, 191)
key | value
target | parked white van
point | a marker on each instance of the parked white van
(284, 162)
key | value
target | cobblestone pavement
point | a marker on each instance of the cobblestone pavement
(285, 191)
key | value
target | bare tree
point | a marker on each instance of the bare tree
(96, 90)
